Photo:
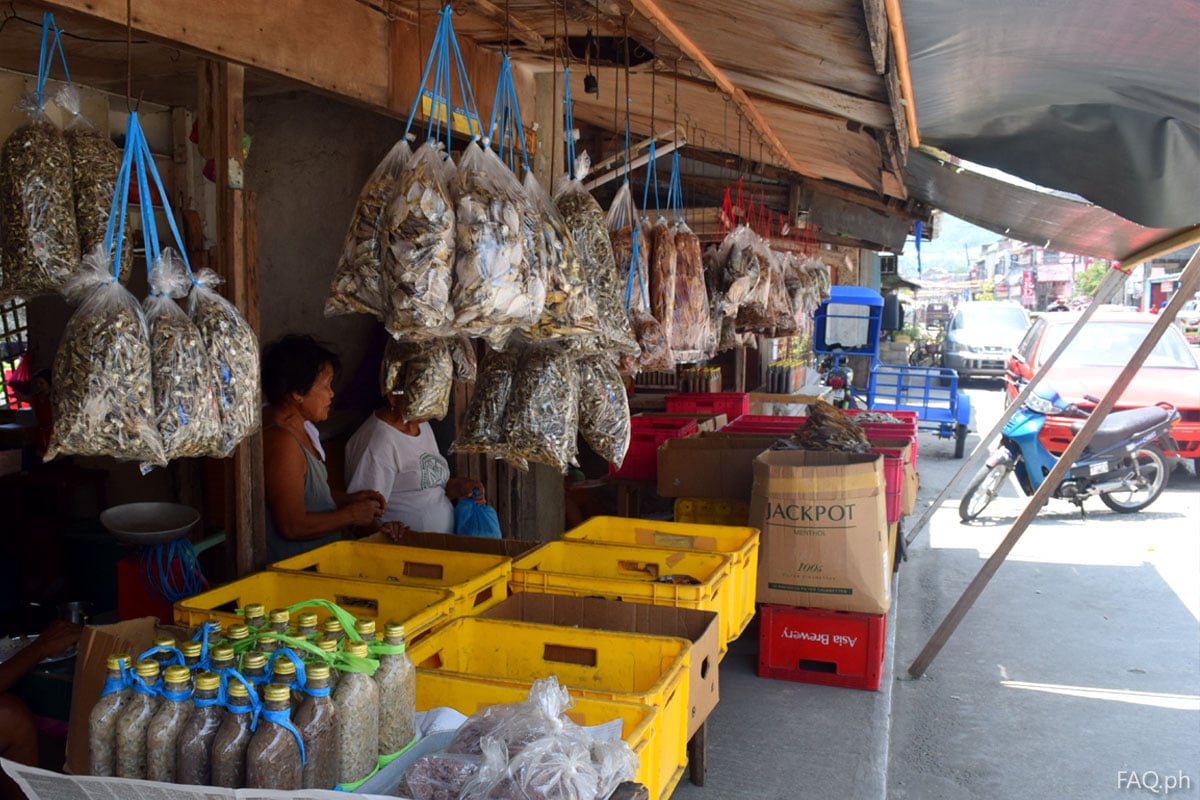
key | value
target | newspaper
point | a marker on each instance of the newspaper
(40, 784)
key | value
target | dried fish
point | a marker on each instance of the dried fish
(232, 349)
(462, 351)
(691, 330)
(186, 412)
(358, 282)
(781, 314)
(483, 428)
(418, 256)
(39, 245)
(102, 396)
(662, 275)
(542, 418)
(422, 374)
(603, 408)
(655, 353)
(623, 226)
(827, 428)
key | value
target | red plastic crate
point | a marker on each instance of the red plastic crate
(813, 645)
(731, 404)
(784, 426)
(646, 434)
(893, 476)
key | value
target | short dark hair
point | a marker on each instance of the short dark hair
(292, 363)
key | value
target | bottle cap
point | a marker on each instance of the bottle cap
(117, 661)
(365, 627)
(254, 660)
(306, 620)
(191, 649)
(238, 632)
(222, 652)
(318, 672)
(268, 640)
(277, 693)
(164, 641)
(146, 669)
(280, 616)
(208, 681)
(214, 626)
(332, 625)
(255, 610)
(394, 630)
(284, 666)
(356, 648)
(236, 689)
(177, 674)
(326, 644)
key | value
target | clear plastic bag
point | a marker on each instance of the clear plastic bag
(615, 763)
(586, 222)
(422, 374)
(102, 395)
(358, 285)
(515, 725)
(655, 350)
(39, 244)
(483, 428)
(691, 330)
(781, 316)
(555, 768)
(490, 780)
(542, 418)
(232, 348)
(462, 350)
(603, 408)
(662, 275)
(186, 412)
(439, 776)
(418, 250)
(623, 224)
(95, 165)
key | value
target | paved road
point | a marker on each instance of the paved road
(1076, 674)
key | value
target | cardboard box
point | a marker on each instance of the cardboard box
(711, 465)
(700, 627)
(824, 530)
(96, 644)
(705, 423)
(461, 544)
(893, 534)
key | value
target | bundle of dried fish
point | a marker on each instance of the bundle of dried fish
(462, 351)
(655, 351)
(233, 350)
(691, 328)
(39, 245)
(586, 222)
(542, 418)
(491, 293)
(358, 282)
(418, 255)
(102, 396)
(662, 275)
(483, 428)
(827, 428)
(95, 165)
(570, 310)
(623, 225)
(186, 412)
(781, 314)
(422, 373)
(603, 408)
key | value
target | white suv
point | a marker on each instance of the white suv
(980, 337)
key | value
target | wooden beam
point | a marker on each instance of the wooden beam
(877, 32)
(531, 38)
(896, 26)
(669, 147)
(651, 10)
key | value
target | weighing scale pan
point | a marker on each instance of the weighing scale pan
(149, 523)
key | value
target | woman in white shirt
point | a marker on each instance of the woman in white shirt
(399, 459)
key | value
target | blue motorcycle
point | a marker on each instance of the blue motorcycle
(1123, 463)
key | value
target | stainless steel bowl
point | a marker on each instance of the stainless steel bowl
(149, 523)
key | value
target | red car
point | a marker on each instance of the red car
(1097, 355)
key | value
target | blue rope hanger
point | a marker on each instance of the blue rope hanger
(46, 56)
(506, 119)
(569, 123)
(445, 58)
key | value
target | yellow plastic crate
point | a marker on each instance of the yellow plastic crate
(639, 723)
(478, 581)
(419, 609)
(740, 543)
(629, 572)
(652, 670)
(706, 511)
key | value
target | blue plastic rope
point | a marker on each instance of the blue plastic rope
(151, 170)
(282, 718)
(298, 682)
(634, 258)
(120, 202)
(201, 635)
(158, 574)
(506, 114)
(112, 685)
(141, 687)
(322, 692)
(651, 177)
(253, 707)
(207, 702)
(46, 56)
(675, 189)
(176, 659)
(918, 230)
(569, 122)
(444, 44)
(149, 241)
(179, 697)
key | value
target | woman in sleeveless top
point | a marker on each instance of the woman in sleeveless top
(303, 510)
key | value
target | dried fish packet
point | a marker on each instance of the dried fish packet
(466, 365)
(654, 354)
(483, 429)
(662, 275)
(623, 225)
(422, 374)
(39, 243)
(542, 419)
(603, 408)
(691, 333)
(101, 395)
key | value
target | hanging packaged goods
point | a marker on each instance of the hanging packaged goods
(631, 250)
(603, 408)
(542, 418)
(482, 429)
(422, 374)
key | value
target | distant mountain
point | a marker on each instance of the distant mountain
(949, 251)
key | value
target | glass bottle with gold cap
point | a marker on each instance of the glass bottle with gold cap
(327, 645)
(132, 723)
(102, 722)
(191, 654)
(333, 629)
(397, 679)
(193, 757)
(274, 758)
(317, 722)
(255, 615)
(267, 644)
(254, 669)
(221, 658)
(306, 625)
(163, 657)
(232, 738)
(162, 735)
(238, 636)
(283, 672)
(366, 629)
(356, 699)
(281, 620)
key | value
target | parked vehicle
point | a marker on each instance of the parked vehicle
(1189, 321)
(1123, 464)
(980, 337)
(1091, 363)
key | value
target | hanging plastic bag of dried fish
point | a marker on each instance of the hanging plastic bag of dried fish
(418, 256)
(623, 225)
(39, 244)
(570, 311)
(743, 271)
(95, 163)
(542, 418)
(232, 349)
(781, 314)
(692, 330)
(358, 282)
(491, 292)
(483, 428)
(466, 366)
(654, 354)
(662, 275)
(585, 220)
(102, 396)
(422, 373)
(603, 408)
(186, 412)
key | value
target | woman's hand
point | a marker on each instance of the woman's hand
(56, 638)
(396, 532)
(368, 494)
(458, 488)
(364, 512)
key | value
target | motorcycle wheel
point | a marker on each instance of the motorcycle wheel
(982, 491)
(1150, 477)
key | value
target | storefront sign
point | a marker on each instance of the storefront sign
(1027, 288)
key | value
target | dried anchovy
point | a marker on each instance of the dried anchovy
(692, 328)
(232, 349)
(569, 310)
(102, 396)
(418, 256)
(662, 276)
(462, 351)
(358, 283)
(39, 245)
(542, 418)
(483, 428)
(585, 220)
(423, 374)
(95, 164)
(603, 408)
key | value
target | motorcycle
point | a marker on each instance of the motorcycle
(839, 377)
(1123, 464)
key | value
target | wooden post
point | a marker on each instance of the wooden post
(1189, 279)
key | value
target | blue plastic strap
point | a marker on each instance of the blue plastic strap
(207, 702)
(150, 241)
(201, 635)
(112, 685)
(634, 258)
(46, 56)
(282, 718)
(569, 123)
(178, 697)
(651, 177)
(322, 692)
(445, 44)
(120, 201)
(152, 171)
(141, 687)
(675, 189)
(506, 114)
(300, 679)
(918, 230)
(176, 658)
(253, 707)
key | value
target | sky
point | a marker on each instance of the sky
(949, 250)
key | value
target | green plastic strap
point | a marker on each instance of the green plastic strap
(343, 616)
(380, 763)
(348, 663)
(298, 644)
(381, 648)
